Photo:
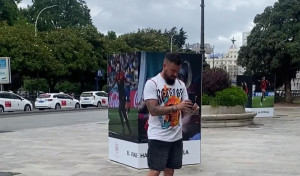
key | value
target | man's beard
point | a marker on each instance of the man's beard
(169, 81)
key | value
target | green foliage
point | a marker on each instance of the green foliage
(274, 43)
(231, 96)
(111, 35)
(98, 42)
(178, 38)
(32, 84)
(28, 54)
(9, 11)
(72, 52)
(117, 46)
(104, 88)
(148, 39)
(67, 45)
(206, 99)
(71, 13)
(68, 87)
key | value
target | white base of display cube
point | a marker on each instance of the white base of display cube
(135, 154)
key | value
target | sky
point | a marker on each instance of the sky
(224, 19)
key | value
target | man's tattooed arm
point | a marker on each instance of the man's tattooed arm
(156, 110)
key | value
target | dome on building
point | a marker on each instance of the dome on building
(233, 47)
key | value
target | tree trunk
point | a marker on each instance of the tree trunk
(288, 91)
(52, 82)
(81, 85)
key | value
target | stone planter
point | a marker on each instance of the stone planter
(225, 116)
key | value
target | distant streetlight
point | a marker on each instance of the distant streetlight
(172, 41)
(38, 17)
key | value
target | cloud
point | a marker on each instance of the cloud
(223, 18)
(95, 11)
(186, 4)
(233, 5)
(24, 3)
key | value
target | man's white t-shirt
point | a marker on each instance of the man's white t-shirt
(167, 127)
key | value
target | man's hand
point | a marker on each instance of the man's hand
(193, 110)
(185, 104)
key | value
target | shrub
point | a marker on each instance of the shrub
(67, 87)
(214, 80)
(230, 97)
(104, 88)
(34, 84)
(206, 99)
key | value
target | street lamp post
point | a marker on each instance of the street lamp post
(202, 51)
(172, 41)
(38, 18)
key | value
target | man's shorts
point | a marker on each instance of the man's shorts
(163, 155)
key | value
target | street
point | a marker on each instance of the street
(22, 121)
(268, 148)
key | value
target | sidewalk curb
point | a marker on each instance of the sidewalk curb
(13, 114)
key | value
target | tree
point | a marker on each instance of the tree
(214, 80)
(151, 40)
(111, 35)
(75, 57)
(68, 87)
(99, 52)
(68, 13)
(32, 84)
(274, 43)
(178, 38)
(146, 40)
(118, 45)
(72, 53)
(9, 11)
(28, 54)
(97, 40)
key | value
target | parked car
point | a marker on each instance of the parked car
(55, 101)
(13, 102)
(94, 98)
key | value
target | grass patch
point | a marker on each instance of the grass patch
(268, 102)
(296, 101)
(115, 122)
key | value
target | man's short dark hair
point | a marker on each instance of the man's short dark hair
(174, 58)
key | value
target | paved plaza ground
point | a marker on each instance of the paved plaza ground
(268, 148)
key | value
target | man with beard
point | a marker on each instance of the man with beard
(120, 79)
(166, 99)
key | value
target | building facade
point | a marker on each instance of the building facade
(227, 62)
(244, 38)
